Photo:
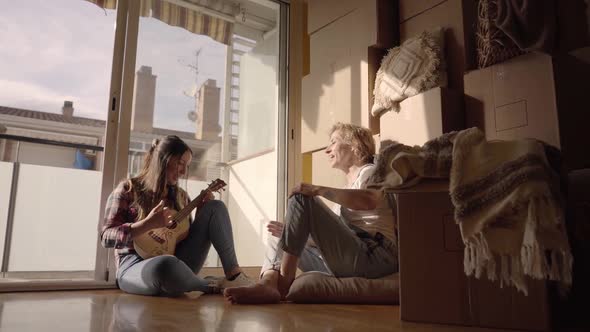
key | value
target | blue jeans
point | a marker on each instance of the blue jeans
(341, 250)
(172, 275)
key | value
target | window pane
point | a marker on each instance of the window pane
(179, 90)
(56, 73)
(258, 93)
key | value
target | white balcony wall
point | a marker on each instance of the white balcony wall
(56, 214)
(55, 219)
(252, 203)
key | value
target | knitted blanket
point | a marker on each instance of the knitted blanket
(506, 198)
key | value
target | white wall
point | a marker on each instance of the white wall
(252, 203)
(55, 219)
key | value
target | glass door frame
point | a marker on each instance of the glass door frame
(120, 91)
(284, 146)
(118, 129)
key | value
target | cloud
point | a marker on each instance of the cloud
(62, 50)
(169, 51)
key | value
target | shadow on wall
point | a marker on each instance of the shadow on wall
(474, 113)
(332, 89)
(447, 113)
(339, 93)
(345, 55)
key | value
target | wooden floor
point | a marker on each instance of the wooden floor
(112, 310)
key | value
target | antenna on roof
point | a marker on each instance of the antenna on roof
(194, 92)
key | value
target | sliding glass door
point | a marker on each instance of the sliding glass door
(211, 75)
(87, 85)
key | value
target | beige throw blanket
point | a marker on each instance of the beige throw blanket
(506, 198)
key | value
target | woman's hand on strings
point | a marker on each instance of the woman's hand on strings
(159, 216)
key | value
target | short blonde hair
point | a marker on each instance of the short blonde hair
(359, 138)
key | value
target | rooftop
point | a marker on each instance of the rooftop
(81, 121)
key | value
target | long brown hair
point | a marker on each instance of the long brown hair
(150, 184)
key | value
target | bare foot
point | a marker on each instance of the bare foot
(256, 294)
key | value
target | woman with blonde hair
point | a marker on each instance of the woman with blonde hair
(354, 239)
(143, 203)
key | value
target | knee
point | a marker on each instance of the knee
(163, 267)
(164, 275)
(215, 205)
(299, 199)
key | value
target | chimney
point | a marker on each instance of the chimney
(142, 115)
(208, 112)
(68, 109)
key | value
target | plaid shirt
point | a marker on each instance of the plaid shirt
(118, 217)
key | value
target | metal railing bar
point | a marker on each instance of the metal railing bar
(52, 142)
(10, 219)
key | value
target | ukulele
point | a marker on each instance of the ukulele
(163, 240)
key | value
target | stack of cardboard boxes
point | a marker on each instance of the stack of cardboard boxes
(347, 39)
(458, 19)
(531, 96)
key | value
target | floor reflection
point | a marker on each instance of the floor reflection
(113, 310)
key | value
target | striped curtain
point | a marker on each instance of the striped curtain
(106, 4)
(218, 29)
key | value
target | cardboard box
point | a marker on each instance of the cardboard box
(322, 13)
(458, 17)
(517, 99)
(433, 284)
(533, 96)
(424, 117)
(343, 58)
(411, 8)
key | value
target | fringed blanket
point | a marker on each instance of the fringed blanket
(506, 198)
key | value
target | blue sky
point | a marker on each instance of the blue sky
(62, 50)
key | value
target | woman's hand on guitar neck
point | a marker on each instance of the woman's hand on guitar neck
(209, 196)
(159, 216)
